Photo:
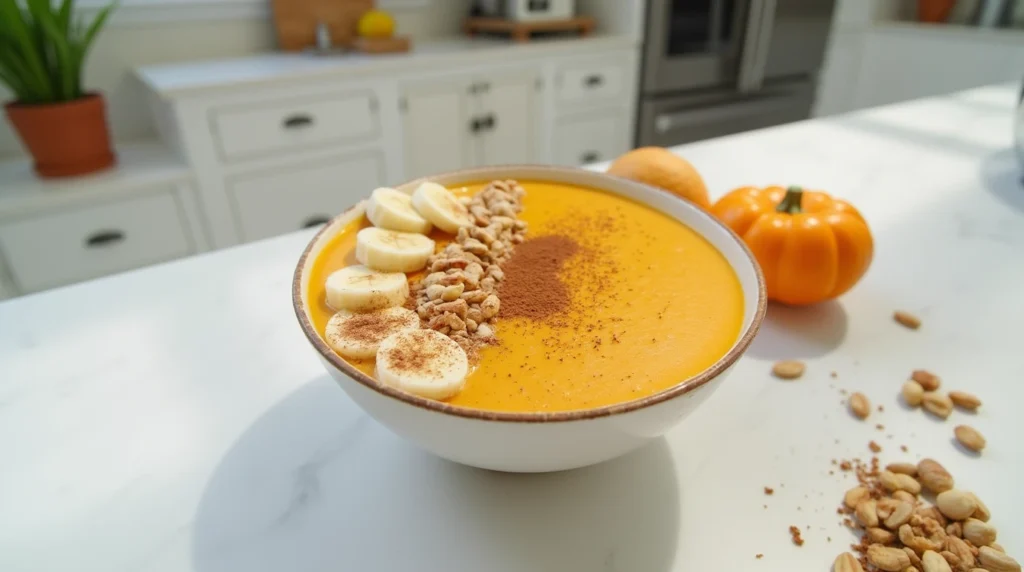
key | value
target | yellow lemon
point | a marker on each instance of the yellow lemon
(376, 24)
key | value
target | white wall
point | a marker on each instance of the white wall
(123, 46)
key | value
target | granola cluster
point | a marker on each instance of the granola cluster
(457, 297)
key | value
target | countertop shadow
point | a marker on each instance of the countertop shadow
(315, 484)
(796, 332)
(1002, 175)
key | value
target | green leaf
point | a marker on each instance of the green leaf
(54, 46)
(82, 49)
(25, 85)
(64, 16)
(21, 39)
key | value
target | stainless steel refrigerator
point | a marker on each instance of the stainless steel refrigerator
(715, 67)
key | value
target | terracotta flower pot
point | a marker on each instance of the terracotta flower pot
(65, 139)
(934, 11)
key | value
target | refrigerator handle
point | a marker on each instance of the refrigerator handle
(756, 42)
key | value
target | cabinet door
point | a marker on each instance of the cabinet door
(436, 123)
(592, 139)
(508, 108)
(303, 195)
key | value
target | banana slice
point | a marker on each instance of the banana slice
(393, 210)
(438, 205)
(358, 336)
(392, 251)
(360, 289)
(423, 362)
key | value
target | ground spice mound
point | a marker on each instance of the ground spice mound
(533, 287)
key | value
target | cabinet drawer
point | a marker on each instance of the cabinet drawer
(303, 195)
(294, 124)
(69, 246)
(589, 140)
(595, 81)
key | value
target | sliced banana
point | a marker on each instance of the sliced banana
(423, 362)
(358, 336)
(438, 205)
(361, 289)
(391, 209)
(393, 251)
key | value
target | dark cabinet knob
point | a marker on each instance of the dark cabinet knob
(316, 220)
(590, 157)
(297, 121)
(104, 238)
(489, 122)
(593, 80)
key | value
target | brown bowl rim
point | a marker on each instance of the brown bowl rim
(681, 388)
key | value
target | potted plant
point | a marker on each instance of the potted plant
(42, 51)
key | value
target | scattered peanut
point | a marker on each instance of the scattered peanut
(937, 404)
(880, 535)
(978, 532)
(856, 495)
(899, 482)
(932, 562)
(788, 369)
(859, 405)
(961, 550)
(928, 380)
(964, 400)
(904, 468)
(888, 559)
(905, 497)
(995, 561)
(900, 515)
(906, 319)
(912, 393)
(981, 513)
(846, 562)
(866, 512)
(956, 504)
(969, 437)
(934, 476)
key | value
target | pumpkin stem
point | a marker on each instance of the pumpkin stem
(790, 203)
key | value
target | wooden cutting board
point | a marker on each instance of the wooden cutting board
(296, 21)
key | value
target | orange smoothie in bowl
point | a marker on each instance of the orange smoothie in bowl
(527, 318)
(603, 300)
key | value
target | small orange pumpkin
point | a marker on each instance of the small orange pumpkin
(810, 246)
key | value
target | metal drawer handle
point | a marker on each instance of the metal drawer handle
(297, 121)
(316, 220)
(590, 157)
(593, 80)
(104, 238)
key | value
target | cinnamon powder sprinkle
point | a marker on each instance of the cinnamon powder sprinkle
(532, 287)
(371, 327)
(769, 491)
(422, 352)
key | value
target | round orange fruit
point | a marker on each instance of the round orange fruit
(659, 167)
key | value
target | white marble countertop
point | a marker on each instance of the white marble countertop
(174, 418)
(192, 78)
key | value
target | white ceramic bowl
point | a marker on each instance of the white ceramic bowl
(537, 442)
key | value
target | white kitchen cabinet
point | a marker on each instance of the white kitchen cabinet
(589, 139)
(508, 116)
(470, 121)
(70, 245)
(436, 127)
(294, 124)
(302, 195)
